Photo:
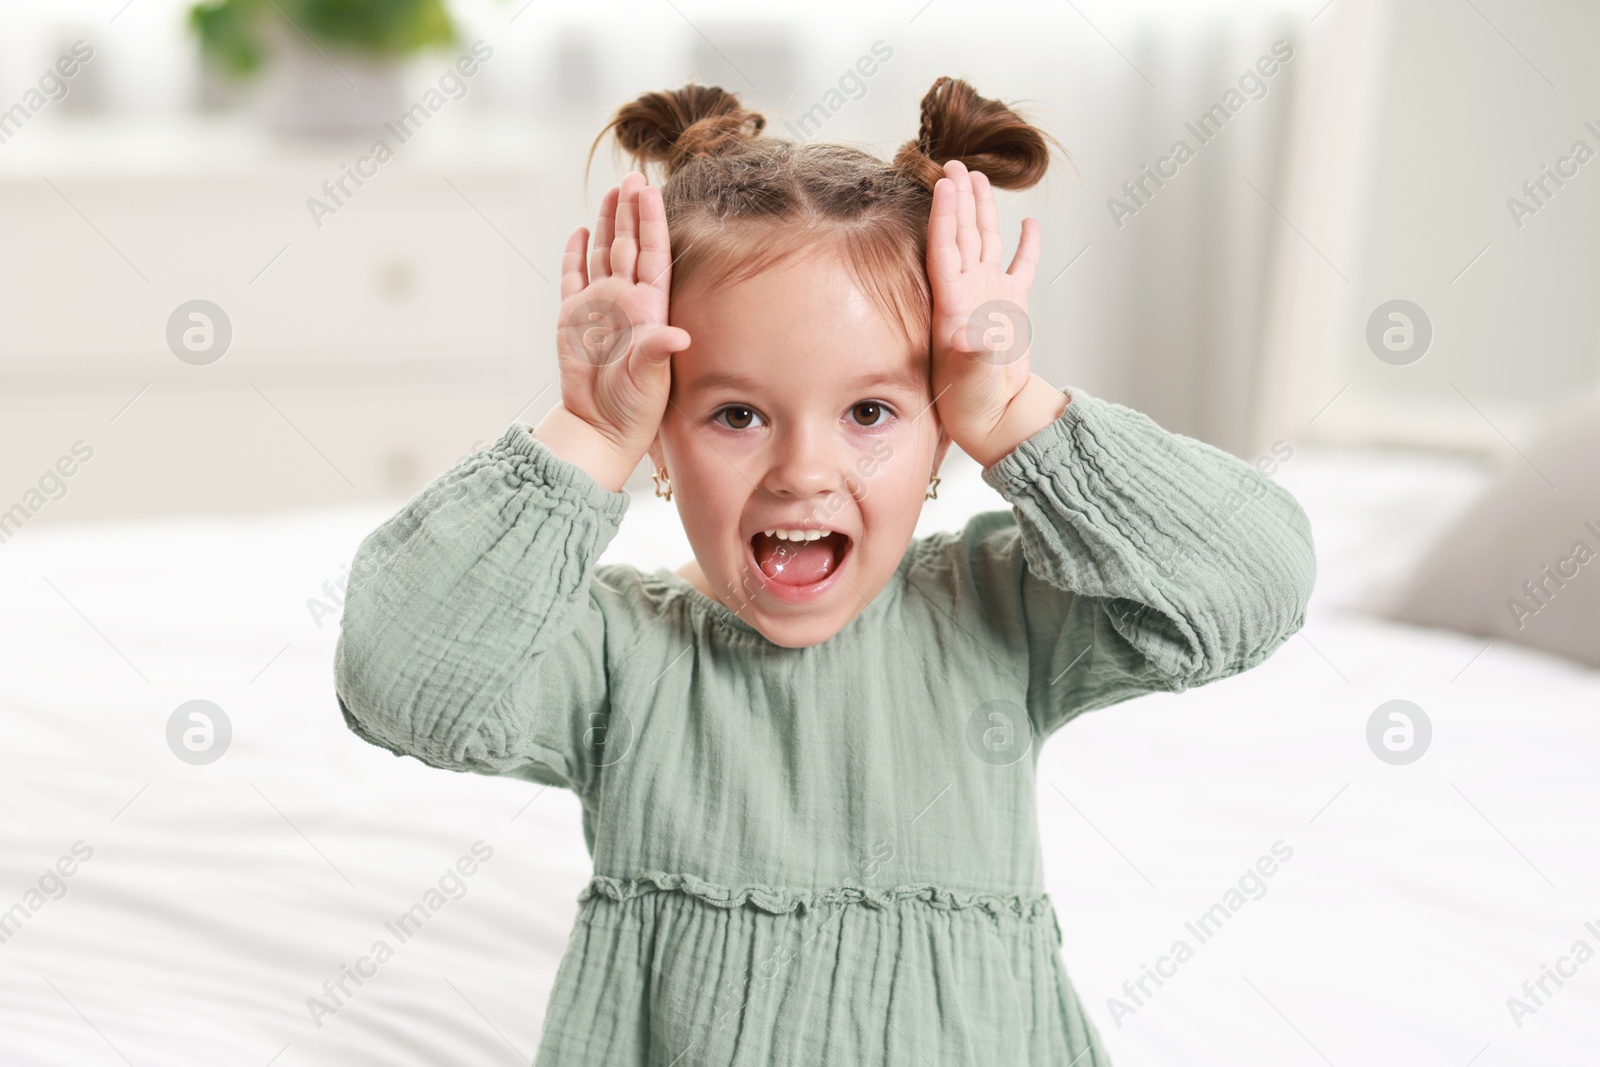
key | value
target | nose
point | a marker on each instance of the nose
(807, 463)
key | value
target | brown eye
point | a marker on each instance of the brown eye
(736, 417)
(872, 409)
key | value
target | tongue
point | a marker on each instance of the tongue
(795, 562)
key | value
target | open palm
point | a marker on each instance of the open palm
(980, 328)
(612, 339)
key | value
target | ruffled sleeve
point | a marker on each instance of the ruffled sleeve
(1149, 561)
(472, 638)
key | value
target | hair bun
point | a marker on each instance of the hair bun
(673, 127)
(983, 134)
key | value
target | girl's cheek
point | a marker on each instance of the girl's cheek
(885, 468)
(874, 459)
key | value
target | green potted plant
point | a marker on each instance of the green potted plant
(332, 66)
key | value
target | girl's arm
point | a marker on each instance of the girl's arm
(475, 631)
(473, 637)
(1148, 560)
(1140, 559)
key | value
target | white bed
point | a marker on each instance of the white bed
(219, 898)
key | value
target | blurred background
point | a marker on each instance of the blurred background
(376, 338)
(235, 335)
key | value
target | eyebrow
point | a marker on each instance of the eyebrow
(906, 377)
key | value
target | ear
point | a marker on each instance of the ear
(657, 456)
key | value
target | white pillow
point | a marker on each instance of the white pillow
(1523, 564)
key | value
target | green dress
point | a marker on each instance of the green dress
(824, 855)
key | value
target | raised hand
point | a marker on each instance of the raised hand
(612, 337)
(981, 333)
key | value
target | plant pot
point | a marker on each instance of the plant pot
(321, 91)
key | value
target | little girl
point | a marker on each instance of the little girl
(806, 759)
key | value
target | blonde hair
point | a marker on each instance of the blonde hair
(739, 203)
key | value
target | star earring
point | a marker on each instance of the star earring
(933, 489)
(661, 481)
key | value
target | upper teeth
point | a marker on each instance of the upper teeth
(796, 535)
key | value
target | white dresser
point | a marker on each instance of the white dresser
(367, 354)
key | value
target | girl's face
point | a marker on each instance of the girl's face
(798, 406)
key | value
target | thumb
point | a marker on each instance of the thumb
(657, 344)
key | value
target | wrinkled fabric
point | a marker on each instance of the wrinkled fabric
(829, 854)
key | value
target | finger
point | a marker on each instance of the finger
(625, 245)
(944, 259)
(657, 344)
(600, 256)
(655, 245)
(1026, 261)
(988, 218)
(574, 278)
(967, 239)
(650, 362)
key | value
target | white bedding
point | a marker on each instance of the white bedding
(219, 898)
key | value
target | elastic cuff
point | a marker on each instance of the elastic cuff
(532, 460)
(1020, 469)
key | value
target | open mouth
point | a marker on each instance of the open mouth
(799, 558)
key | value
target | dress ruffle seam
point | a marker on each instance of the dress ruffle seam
(782, 902)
